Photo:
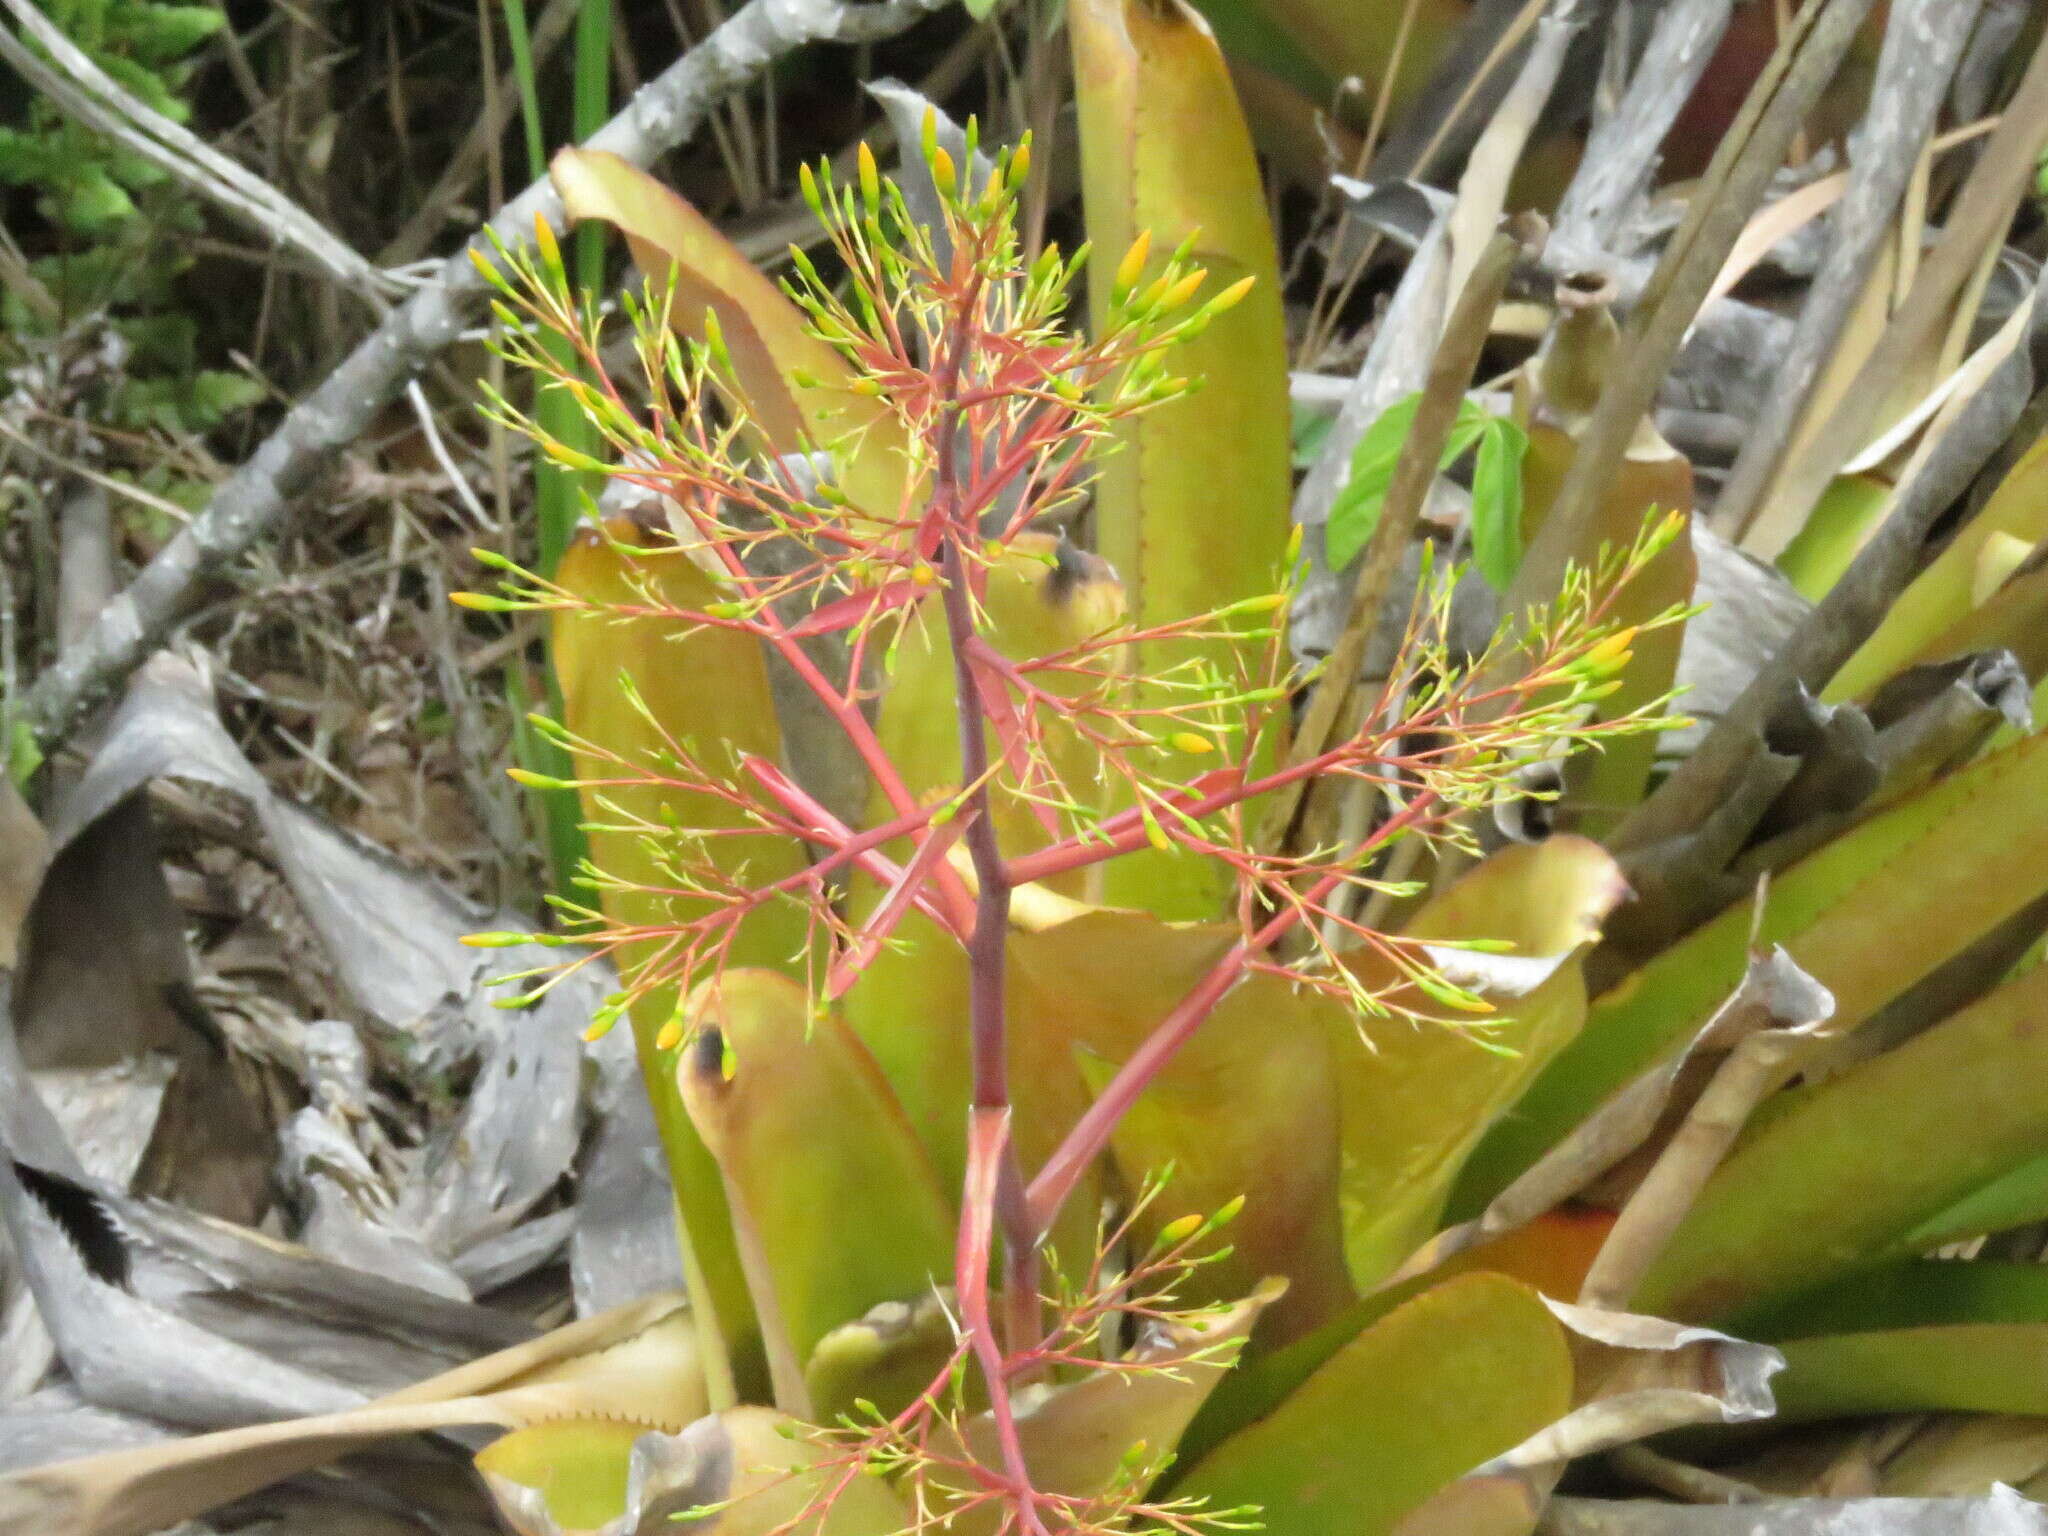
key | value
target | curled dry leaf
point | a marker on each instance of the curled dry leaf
(1774, 993)
(750, 1470)
(643, 1353)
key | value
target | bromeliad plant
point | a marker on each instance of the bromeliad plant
(875, 520)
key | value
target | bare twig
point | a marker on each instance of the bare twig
(1921, 47)
(423, 413)
(1449, 111)
(85, 574)
(1682, 1480)
(255, 498)
(1733, 186)
(1970, 234)
(1622, 154)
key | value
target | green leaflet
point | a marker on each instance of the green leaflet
(1496, 485)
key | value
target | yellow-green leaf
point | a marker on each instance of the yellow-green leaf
(1419, 1097)
(1944, 865)
(762, 328)
(816, 1152)
(1193, 511)
(710, 688)
(576, 1466)
(1436, 1387)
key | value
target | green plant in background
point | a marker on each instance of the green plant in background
(114, 243)
(1496, 525)
(560, 493)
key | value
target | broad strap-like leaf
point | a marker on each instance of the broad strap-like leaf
(708, 688)
(1943, 866)
(1954, 582)
(1192, 512)
(1416, 1400)
(1838, 1179)
(816, 1153)
(1419, 1095)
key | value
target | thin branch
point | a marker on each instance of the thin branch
(1734, 184)
(1922, 45)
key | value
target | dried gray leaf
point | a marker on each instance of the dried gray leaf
(109, 1115)
(393, 939)
(349, 1206)
(624, 1244)
(643, 1353)
(171, 1316)
(1836, 746)
(496, 1262)
(907, 108)
(1750, 612)
(56, 1424)
(2004, 1513)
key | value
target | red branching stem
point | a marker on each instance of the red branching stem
(1062, 1171)
(988, 949)
(988, 1148)
(905, 892)
(845, 711)
(949, 905)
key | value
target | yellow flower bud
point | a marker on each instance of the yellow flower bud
(870, 178)
(1132, 266)
(1189, 285)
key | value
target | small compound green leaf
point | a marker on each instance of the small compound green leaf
(1356, 511)
(1497, 501)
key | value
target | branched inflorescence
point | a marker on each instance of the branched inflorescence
(966, 425)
